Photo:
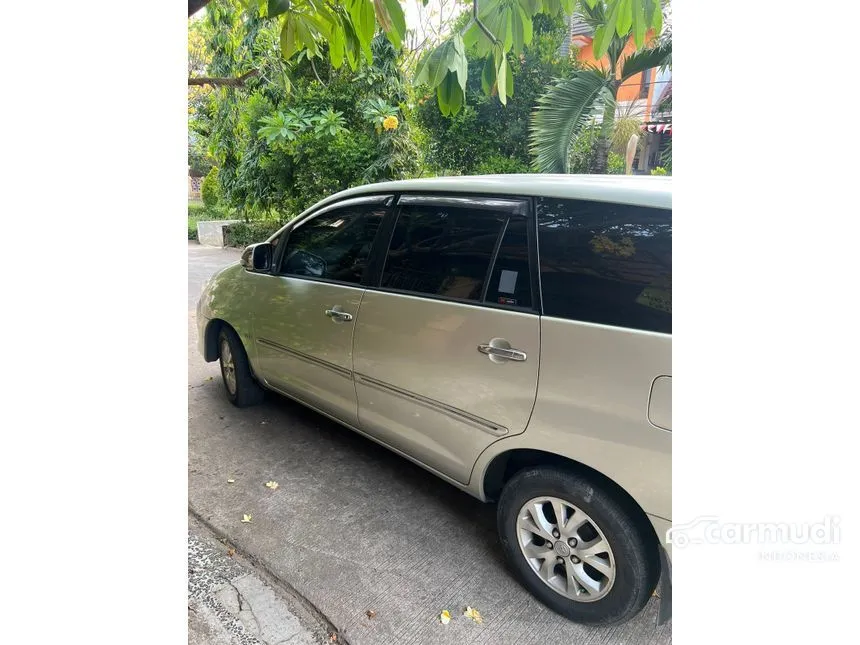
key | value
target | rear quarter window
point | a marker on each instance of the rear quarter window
(606, 263)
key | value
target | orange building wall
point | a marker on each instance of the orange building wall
(629, 90)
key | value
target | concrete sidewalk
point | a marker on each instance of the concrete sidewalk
(230, 603)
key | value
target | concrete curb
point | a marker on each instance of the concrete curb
(233, 600)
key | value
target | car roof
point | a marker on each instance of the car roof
(640, 190)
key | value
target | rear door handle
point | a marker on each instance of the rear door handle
(336, 314)
(496, 349)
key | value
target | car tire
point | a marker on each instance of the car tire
(629, 567)
(239, 383)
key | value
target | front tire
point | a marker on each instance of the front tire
(239, 383)
(577, 548)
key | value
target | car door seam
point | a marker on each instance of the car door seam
(352, 355)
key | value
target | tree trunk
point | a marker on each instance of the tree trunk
(600, 159)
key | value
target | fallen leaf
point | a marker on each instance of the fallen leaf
(474, 614)
(445, 617)
(209, 379)
(332, 637)
(246, 518)
(370, 613)
(231, 552)
(272, 485)
(231, 481)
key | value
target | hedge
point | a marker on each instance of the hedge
(242, 234)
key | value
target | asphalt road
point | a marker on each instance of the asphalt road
(353, 527)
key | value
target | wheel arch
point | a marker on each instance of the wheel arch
(211, 351)
(507, 464)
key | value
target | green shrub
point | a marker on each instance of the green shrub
(659, 170)
(497, 164)
(322, 167)
(211, 190)
(615, 164)
(582, 150)
(242, 234)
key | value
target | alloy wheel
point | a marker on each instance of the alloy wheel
(565, 548)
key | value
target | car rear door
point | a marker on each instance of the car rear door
(304, 326)
(447, 345)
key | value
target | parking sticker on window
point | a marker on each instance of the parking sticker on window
(508, 281)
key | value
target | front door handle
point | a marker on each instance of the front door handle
(500, 350)
(337, 315)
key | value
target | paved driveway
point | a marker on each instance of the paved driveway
(352, 527)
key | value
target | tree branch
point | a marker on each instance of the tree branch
(314, 67)
(483, 27)
(223, 82)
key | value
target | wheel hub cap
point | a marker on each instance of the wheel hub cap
(579, 563)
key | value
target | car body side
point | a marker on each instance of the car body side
(603, 430)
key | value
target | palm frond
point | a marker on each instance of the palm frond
(615, 51)
(561, 113)
(592, 16)
(659, 56)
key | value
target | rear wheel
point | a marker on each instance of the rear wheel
(575, 547)
(241, 387)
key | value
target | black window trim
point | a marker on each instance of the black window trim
(385, 199)
(493, 257)
(515, 206)
(534, 257)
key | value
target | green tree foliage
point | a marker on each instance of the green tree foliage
(299, 129)
(570, 105)
(486, 137)
(210, 191)
(498, 30)
(502, 29)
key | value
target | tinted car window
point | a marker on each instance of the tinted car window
(441, 250)
(606, 263)
(334, 246)
(510, 282)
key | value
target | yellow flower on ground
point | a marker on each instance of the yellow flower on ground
(445, 617)
(390, 123)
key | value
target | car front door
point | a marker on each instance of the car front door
(447, 344)
(304, 330)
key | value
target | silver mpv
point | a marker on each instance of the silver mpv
(511, 334)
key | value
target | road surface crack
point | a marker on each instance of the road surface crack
(244, 606)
